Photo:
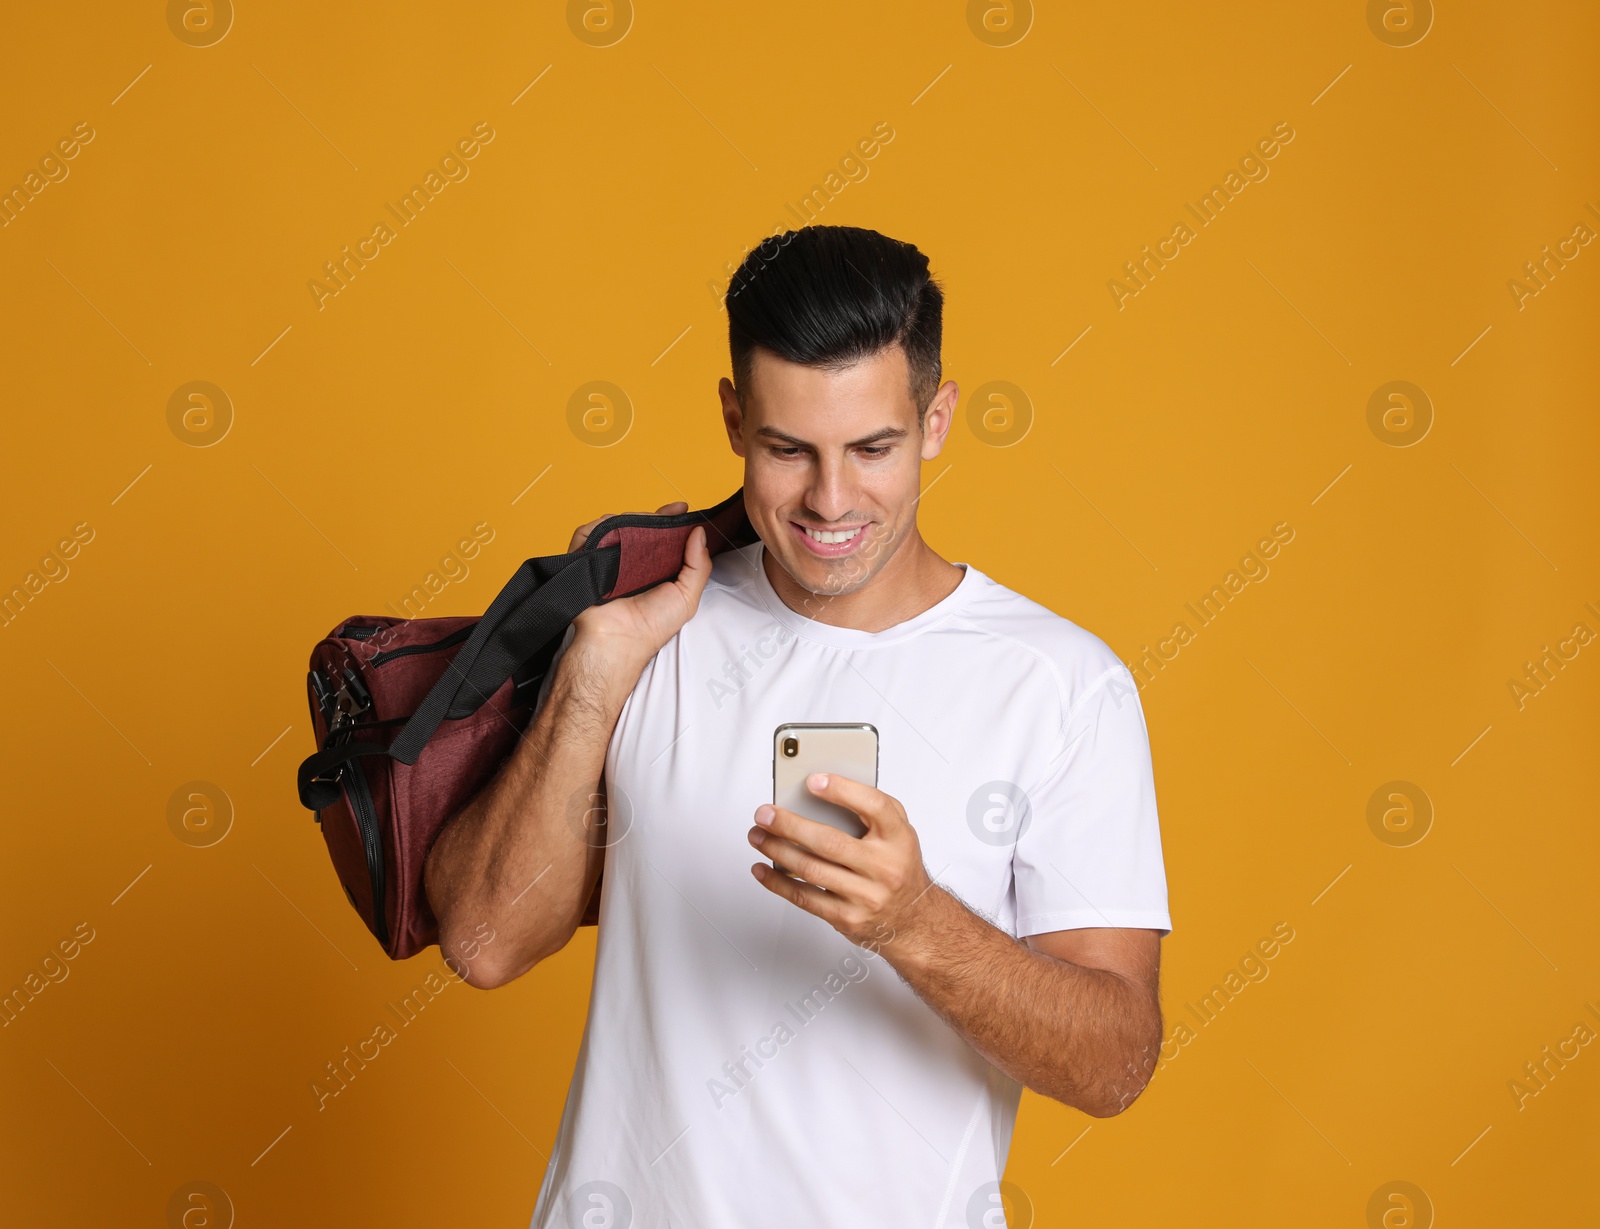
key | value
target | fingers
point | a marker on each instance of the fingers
(580, 535)
(797, 861)
(806, 895)
(880, 812)
(828, 844)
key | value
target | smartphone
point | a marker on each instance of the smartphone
(800, 749)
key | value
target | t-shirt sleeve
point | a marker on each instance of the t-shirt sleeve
(1089, 853)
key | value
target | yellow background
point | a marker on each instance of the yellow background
(586, 245)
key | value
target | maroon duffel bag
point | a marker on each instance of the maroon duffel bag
(413, 716)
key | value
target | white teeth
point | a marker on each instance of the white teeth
(828, 538)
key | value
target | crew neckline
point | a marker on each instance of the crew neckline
(853, 637)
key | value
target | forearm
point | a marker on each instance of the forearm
(1083, 1036)
(522, 856)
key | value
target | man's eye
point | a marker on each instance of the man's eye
(786, 452)
(875, 451)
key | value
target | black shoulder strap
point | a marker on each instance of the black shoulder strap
(536, 605)
(623, 555)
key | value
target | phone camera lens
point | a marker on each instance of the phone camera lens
(791, 747)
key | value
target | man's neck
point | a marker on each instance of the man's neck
(914, 579)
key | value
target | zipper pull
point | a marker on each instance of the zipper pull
(322, 693)
(354, 698)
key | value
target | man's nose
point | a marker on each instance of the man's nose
(831, 494)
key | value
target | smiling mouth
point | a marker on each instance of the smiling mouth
(830, 543)
(830, 537)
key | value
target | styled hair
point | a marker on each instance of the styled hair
(830, 296)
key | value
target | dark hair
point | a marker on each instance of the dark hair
(829, 296)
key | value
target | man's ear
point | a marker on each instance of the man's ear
(937, 421)
(732, 415)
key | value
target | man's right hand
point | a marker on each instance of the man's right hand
(631, 630)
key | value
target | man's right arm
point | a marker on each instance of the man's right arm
(521, 856)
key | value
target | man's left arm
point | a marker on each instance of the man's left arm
(1073, 1014)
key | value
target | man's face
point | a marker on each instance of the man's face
(833, 463)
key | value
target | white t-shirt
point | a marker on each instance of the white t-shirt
(743, 1063)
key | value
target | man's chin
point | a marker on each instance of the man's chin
(826, 578)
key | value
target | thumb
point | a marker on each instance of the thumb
(696, 569)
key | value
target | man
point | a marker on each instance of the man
(846, 1045)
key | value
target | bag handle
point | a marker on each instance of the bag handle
(623, 556)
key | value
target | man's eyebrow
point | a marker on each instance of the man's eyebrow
(885, 433)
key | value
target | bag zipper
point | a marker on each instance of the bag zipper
(406, 650)
(361, 806)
